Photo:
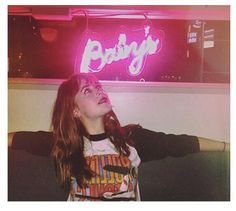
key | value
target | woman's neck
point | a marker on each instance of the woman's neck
(94, 127)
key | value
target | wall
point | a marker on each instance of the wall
(196, 109)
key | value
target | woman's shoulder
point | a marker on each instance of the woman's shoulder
(131, 128)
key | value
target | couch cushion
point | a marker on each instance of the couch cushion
(32, 178)
(203, 176)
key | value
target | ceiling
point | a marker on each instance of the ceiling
(54, 12)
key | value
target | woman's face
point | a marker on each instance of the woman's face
(91, 100)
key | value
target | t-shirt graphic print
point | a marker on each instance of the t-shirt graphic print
(115, 176)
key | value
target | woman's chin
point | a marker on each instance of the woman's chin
(108, 108)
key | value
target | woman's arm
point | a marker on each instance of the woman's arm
(212, 145)
(34, 142)
(152, 145)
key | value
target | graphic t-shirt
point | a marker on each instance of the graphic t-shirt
(115, 175)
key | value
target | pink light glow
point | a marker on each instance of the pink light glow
(130, 47)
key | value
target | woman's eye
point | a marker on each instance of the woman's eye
(99, 88)
(86, 91)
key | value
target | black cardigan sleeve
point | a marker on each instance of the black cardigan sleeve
(36, 143)
(152, 145)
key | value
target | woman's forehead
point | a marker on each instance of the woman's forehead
(89, 82)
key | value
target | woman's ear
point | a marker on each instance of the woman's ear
(76, 113)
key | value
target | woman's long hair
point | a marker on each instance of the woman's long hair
(68, 131)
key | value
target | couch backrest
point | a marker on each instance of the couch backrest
(200, 176)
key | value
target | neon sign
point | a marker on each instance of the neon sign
(134, 52)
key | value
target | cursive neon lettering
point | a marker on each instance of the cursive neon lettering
(136, 52)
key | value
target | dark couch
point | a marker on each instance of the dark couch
(200, 176)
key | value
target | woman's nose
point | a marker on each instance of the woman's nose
(99, 92)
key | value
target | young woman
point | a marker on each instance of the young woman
(95, 158)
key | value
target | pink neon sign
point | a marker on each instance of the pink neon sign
(95, 57)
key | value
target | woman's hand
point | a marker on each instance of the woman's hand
(10, 138)
(212, 145)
